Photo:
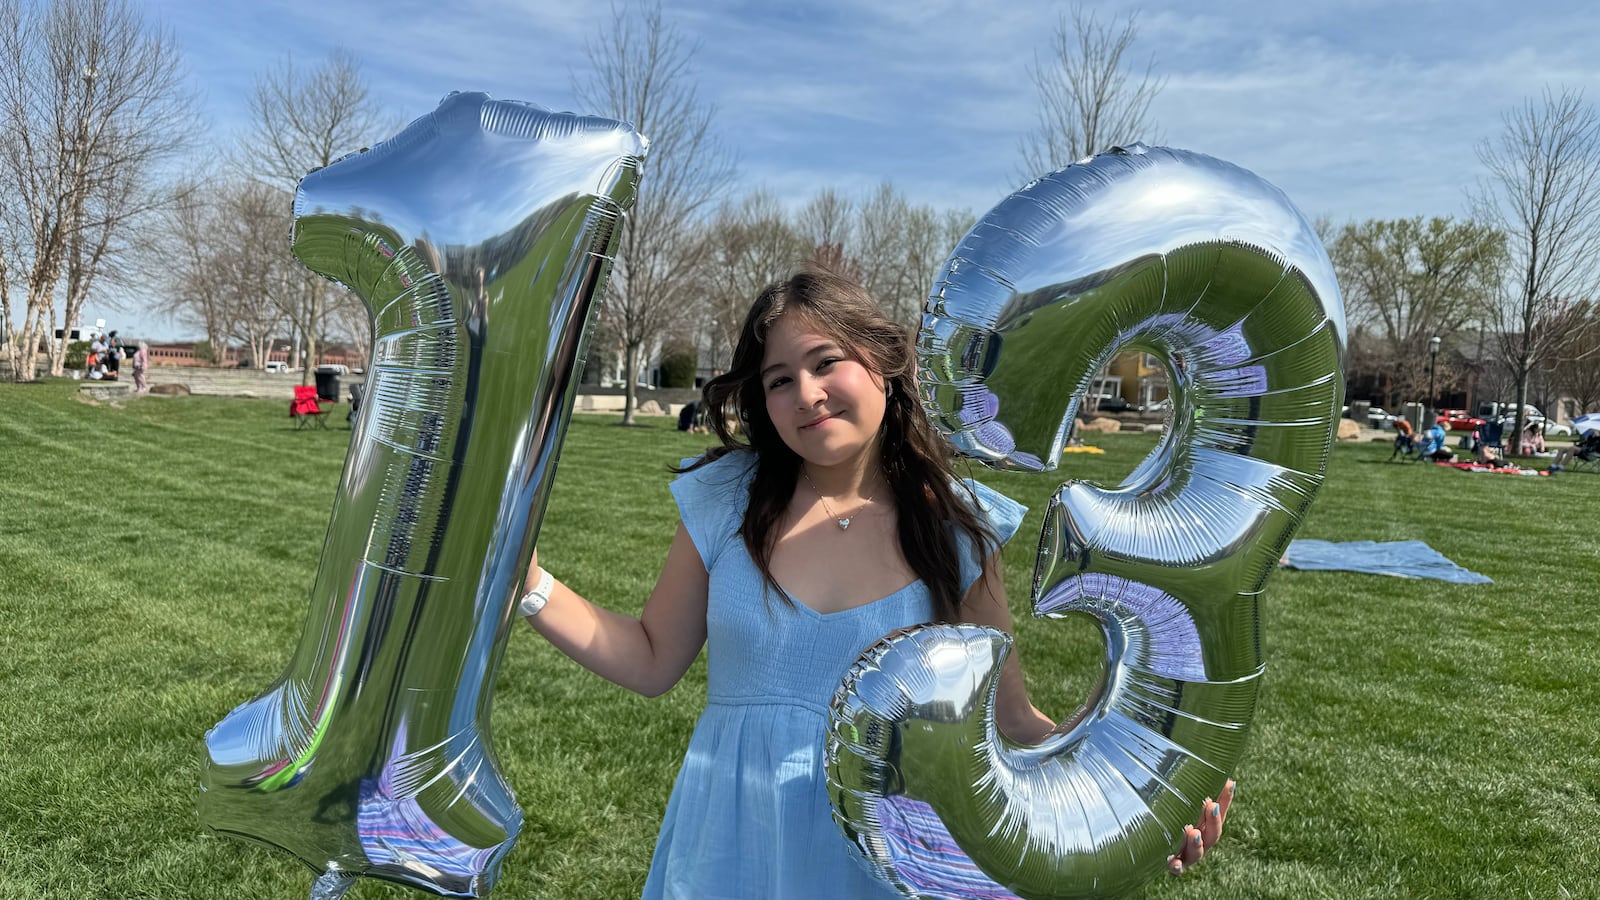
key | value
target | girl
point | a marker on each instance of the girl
(835, 521)
(141, 363)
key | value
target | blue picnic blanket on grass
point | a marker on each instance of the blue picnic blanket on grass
(1406, 559)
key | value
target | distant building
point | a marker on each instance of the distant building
(182, 353)
(1141, 378)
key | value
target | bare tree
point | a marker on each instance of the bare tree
(1088, 100)
(833, 258)
(749, 245)
(261, 277)
(827, 219)
(900, 246)
(91, 105)
(194, 283)
(303, 120)
(1406, 281)
(640, 74)
(1543, 193)
(1577, 363)
(227, 270)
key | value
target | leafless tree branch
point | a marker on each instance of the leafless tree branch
(1089, 100)
(640, 73)
(303, 120)
(1543, 191)
(92, 105)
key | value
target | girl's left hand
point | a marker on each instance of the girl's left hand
(1199, 838)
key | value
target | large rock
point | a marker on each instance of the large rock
(1103, 425)
(650, 408)
(1349, 430)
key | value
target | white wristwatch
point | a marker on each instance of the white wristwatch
(533, 601)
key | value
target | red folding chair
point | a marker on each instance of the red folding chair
(304, 408)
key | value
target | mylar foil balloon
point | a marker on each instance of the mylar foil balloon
(1212, 270)
(477, 238)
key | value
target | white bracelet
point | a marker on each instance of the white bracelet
(533, 601)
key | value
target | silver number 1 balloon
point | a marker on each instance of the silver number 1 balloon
(1212, 270)
(477, 238)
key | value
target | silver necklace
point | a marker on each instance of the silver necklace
(844, 521)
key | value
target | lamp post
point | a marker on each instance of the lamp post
(1433, 357)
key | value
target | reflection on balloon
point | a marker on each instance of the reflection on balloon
(1213, 271)
(477, 238)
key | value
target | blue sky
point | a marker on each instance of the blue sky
(1357, 110)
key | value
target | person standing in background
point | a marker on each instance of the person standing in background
(113, 356)
(141, 362)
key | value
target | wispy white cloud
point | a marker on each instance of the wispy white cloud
(1364, 108)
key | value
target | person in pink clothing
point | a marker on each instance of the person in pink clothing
(141, 362)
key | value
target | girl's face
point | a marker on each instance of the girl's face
(826, 406)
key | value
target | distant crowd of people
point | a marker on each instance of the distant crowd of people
(1486, 450)
(105, 358)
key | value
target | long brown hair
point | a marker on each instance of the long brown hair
(916, 462)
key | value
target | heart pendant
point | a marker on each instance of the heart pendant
(844, 523)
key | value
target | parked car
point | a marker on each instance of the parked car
(1378, 417)
(1114, 403)
(1493, 410)
(1546, 426)
(1458, 420)
(277, 365)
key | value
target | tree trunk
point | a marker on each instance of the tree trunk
(313, 286)
(630, 355)
(1514, 443)
(55, 352)
(32, 326)
(8, 335)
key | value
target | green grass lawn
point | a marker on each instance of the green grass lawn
(1414, 738)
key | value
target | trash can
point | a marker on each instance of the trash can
(327, 385)
(1415, 413)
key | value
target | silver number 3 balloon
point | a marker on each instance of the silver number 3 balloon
(1214, 271)
(477, 238)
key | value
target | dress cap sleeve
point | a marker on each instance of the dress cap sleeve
(1002, 514)
(711, 502)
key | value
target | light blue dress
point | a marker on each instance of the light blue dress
(749, 815)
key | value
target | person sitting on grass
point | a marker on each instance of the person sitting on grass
(688, 415)
(1532, 439)
(1487, 455)
(1433, 443)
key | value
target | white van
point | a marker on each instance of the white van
(277, 365)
